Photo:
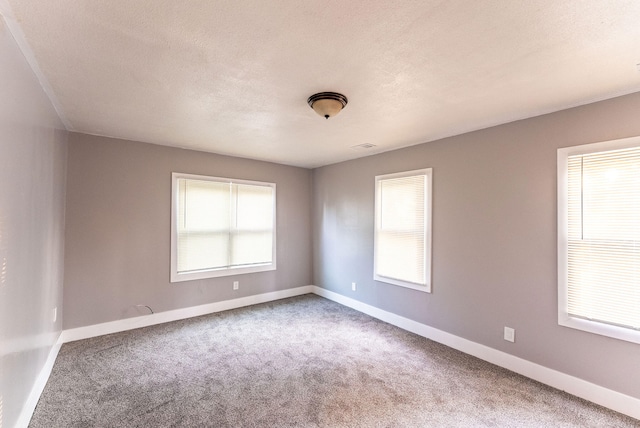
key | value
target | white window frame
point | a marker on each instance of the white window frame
(426, 286)
(218, 272)
(564, 318)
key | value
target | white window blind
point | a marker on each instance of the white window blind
(204, 223)
(602, 274)
(402, 234)
(221, 227)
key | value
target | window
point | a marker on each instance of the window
(402, 254)
(599, 238)
(221, 227)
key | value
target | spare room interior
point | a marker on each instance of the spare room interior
(468, 172)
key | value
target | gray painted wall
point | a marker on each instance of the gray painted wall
(32, 181)
(118, 229)
(494, 238)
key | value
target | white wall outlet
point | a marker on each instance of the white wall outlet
(55, 314)
(509, 334)
(353, 286)
(236, 285)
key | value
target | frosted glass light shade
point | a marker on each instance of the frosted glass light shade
(327, 104)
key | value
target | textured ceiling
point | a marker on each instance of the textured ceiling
(233, 77)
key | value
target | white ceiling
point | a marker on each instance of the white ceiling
(233, 76)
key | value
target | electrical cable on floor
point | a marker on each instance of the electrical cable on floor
(145, 306)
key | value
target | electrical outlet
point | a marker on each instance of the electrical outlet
(509, 334)
(236, 285)
(353, 286)
(55, 314)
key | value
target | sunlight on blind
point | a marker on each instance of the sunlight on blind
(401, 229)
(604, 237)
(203, 224)
(221, 224)
(253, 234)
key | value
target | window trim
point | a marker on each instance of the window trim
(564, 318)
(428, 173)
(219, 272)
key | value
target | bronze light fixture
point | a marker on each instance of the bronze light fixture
(327, 104)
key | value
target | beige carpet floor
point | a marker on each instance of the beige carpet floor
(300, 362)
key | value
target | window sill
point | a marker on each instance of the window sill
(602, 329)
(217, 273)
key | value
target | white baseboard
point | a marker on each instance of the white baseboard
(589, 391)
(41, 381)
(178, 314)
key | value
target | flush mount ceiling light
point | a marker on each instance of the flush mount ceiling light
(327, 104)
